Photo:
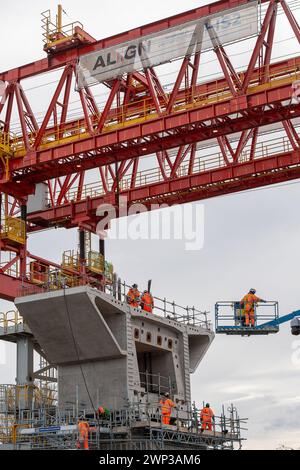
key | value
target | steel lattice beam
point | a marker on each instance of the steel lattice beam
(139, 118)
(98, 145)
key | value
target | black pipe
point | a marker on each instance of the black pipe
(82, 244)
(24, 216)
(119, 290)
(115, 285)
(24, 212)
(102, 247)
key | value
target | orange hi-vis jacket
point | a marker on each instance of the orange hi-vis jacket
(207, 415)
(133, 297)
(249, 300)
(166, 407)
(83, 428)
(147, 302)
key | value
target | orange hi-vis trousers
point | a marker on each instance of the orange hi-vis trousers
(207, 425)
(166, 419)
(249, 316)
(83, 440)
(249, 302)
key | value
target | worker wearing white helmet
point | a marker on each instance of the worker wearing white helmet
(248, 303)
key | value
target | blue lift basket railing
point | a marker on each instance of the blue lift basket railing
(230, 319)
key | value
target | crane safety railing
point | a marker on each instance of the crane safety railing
(10, 321)
(203, 163)
(165, 308)
(13, 270)
(144, 109)
(53, 280)
(95, 263)
(55, 33)
(43, 277)
(8, 140)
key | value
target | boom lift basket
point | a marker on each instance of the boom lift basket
(230, 319)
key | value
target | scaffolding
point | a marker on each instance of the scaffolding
(31, 418)
(135, 427)
(46, 379)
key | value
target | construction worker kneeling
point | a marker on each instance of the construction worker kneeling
(166, 408)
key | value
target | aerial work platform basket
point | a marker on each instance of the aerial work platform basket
(230, 319)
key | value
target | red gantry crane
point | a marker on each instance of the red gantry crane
(149, 139)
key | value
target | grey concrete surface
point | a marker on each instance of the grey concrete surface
(109, 354)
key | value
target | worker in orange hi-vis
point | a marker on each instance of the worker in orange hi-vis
(207, 417)
(147, 302)
(248, 303)
(83, 431)
(134, 296)
(166, 408)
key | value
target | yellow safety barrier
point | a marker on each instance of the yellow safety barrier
(6, 429)
(109, 272)
(95, 262)
(5, 146)
(55, 33)
(12, 395)
(7, 149)
(39, 273)
(71, 260)
(10, 320)
(13, 230)
(61, 279)
(44, 396)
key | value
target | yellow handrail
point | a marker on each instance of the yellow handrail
(13, 230)
(201, 164)
(10, 320)
(56, 33)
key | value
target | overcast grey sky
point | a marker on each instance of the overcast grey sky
(258, 374)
